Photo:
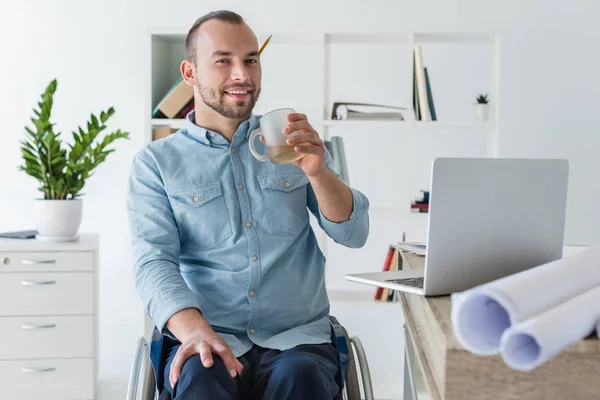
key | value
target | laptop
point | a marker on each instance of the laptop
(488, 218)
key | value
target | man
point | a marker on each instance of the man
(226, 262)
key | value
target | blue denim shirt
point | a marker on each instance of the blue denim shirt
(217, 230)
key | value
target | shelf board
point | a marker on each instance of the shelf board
(180, 123)
(409, 124)
(370, 38)
(402, 209)
(455, 37)
(171, 123)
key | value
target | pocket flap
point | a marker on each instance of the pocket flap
(283, 182)
(198, 195)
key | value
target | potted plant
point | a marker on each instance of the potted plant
(62, 170)
(483, 107)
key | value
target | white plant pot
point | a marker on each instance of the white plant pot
(57, 220)
(483, 111)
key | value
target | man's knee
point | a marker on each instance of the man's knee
(197, 380)
(299, 371)
(306, 375)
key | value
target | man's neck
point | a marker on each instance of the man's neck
(208, 118)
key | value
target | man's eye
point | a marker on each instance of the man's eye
(222, 61)
(251, 61)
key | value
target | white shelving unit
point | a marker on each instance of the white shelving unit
(389, 161)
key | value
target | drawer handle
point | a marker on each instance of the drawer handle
(5, 260)
(42, 283)
(32, 327)
(33, 262)
(36, 370)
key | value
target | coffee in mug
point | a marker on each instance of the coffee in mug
(271, 127)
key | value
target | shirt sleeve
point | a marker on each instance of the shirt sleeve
(352, 233)
(155, 244)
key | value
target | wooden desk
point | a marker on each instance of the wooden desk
(452, 373)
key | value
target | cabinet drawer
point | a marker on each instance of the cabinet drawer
(47, 380)
(46, 337)
(47, 293)
(46, 261)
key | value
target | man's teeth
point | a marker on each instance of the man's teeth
(237, 91)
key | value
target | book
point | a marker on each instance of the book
(386, 267)
(339, 158)
(178, 96)
(430, 96)
(26, 234)
(162, 132)
(415, 98)
(393, 267)
(349, 111)
(424, 111)
(354, 115)
(186, 110)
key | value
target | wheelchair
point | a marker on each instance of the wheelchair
(142, 380)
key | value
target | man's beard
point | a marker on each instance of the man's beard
(242, 110)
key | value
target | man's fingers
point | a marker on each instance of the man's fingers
(296, 117)
(228, 358)
(239, 367)
(302, 125)
(182, 355)
(305, 138)
(308, 149)
(205, 355)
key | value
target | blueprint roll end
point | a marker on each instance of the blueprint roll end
(520, 351)
(479, 322)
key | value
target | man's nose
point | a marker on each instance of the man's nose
(239, 72)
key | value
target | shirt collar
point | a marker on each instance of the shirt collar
(208, 137)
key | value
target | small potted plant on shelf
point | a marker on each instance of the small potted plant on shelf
(483, 107)
(62, 170)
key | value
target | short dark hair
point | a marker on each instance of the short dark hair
(221, 15)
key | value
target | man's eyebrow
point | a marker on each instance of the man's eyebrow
(223, 53)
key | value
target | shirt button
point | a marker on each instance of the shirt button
(286, 184)
(240, 186)
(252, 331)
(212, 134)
(252, 293)
(254, 258)
(248, 224)
(196, 199)
(233, 150)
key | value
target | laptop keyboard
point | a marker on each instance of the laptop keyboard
(414, 282)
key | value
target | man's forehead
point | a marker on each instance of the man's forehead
(216, 35)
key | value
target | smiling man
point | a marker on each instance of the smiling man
(225, 259)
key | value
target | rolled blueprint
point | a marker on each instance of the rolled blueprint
(482, 314)
(528, 344)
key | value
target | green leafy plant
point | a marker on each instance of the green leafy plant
(62, 172)
(482, 98)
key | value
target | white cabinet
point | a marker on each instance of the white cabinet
(49, 319)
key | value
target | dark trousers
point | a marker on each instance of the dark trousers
(304, 372)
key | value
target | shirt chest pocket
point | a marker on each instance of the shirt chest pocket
(285, 202)
(201, 214)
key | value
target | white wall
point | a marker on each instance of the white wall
(98, 52)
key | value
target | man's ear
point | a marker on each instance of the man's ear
(188, 72)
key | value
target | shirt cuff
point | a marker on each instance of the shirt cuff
(170, 307)
(341, 231)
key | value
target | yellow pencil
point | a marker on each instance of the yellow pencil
(265, 44)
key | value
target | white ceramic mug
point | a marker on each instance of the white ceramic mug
(271, 127)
